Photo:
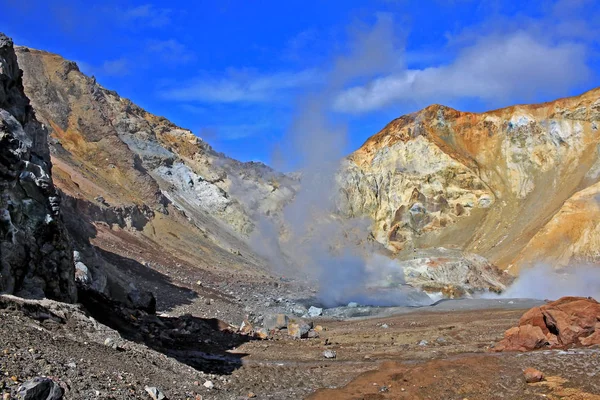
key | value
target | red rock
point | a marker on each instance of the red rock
(532, 375)
(592, 339)
(559, 324)
(522, 338)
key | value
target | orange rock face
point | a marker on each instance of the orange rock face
(569, 321)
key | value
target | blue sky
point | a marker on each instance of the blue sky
(241, 74)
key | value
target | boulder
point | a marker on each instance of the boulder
(522, 338)
(40, 388)
(314, 311)
(275, 321)
(298, 329)
(532, 375)
(562, 323)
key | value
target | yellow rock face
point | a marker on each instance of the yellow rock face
(516, 185)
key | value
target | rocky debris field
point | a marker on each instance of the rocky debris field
(107, 351)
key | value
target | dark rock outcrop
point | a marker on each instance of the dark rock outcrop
(36, 259)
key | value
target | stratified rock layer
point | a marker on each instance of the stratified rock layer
(35, 254)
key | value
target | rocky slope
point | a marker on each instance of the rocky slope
(442, 188)
(139, 189)
(517, 185)
(36, 258)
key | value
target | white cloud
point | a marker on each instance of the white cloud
(241, 86)
(495, 67)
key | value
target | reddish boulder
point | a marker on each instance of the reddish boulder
(532, 375)
(522, 338)
(562, 323)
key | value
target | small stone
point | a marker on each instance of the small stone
(154, 393)
(352, 304)
(112, 343)
(385, 326)
(312, 334)
(532, 375)
(319, 328)
(423, 343)
(329, 354)
(383, 389)
(208, 301)
(209, 385)
(251, 395)
(40, 388)
(72, 365)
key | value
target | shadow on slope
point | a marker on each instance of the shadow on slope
(201, 343)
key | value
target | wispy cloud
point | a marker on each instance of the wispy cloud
(148, 15)
(242, 86)
(496, 67)
(171, 51)
(297, 46)
(194, 109)
(118, 67)
(234, 132)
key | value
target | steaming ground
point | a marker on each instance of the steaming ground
(544, 282)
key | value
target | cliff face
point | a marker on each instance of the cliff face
(36, 259)
(506, 184)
